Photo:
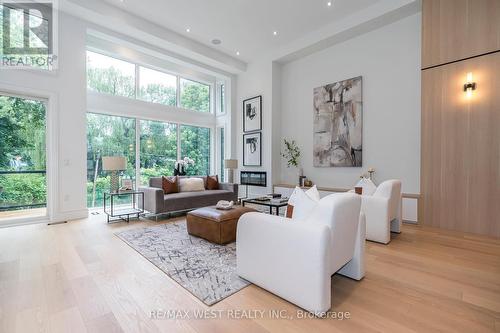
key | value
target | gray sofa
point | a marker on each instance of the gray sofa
(157, 202)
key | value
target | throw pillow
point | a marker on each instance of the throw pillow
(303, 204)
(213, 182)
(170, 184)
(191, 184)
(312, 193)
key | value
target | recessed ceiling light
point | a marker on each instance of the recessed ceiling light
(216, 41)
(329, 3)
(275, 33)
(188, 30)
(237, 52)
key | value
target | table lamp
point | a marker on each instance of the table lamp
(231, 164)
(114, 164)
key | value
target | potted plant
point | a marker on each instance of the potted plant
(291, 154)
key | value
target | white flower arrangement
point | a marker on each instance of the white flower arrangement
(184, 162)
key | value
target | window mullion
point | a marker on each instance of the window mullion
(178, 91)
(138, 153)
(178, 141)
(137, 84)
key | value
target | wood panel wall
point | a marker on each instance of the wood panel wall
(460, 162)
(458, 29)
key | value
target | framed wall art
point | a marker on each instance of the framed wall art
(252, 149)
(252, 114)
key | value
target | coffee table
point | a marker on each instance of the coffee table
(266, 203)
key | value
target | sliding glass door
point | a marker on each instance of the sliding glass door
(23, 181)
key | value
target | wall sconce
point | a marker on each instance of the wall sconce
(469, 86)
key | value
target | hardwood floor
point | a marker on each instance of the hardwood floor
(79, 277)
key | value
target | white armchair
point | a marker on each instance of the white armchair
(296, 259)
(383, 211)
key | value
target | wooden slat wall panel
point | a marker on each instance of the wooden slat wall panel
(460, 171)
(458, 29)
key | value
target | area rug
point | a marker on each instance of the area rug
(206, 270)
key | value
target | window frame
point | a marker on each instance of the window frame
(51, 101)
(212, 148)
(105, 54)
(213, 104)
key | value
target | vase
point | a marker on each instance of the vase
(300, 174)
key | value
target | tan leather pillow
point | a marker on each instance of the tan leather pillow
(170, 184)
(213, 182)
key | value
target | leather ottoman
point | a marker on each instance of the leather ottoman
(215, 225)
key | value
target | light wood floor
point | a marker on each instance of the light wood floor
(79, 277)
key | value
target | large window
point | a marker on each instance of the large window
(22, 157)
(107, 136)
(157, 87)
(195, 96)
(158, 149)
(109, 75)
(116, 77)
(195, 144)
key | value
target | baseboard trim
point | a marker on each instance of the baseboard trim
(70, 215)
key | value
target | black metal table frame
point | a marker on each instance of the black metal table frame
(266, 203)
(120, 216)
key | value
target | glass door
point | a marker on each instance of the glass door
(23, 178)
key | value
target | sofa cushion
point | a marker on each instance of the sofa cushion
(191, 184)
(212, 182)
(188, 200)
(170, 184)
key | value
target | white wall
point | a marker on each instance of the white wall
(257, 80)
(389, 61)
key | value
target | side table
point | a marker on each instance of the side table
(117, 210)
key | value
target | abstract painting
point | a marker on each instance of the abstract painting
(252, 151)
(338, 124)
(252, 114)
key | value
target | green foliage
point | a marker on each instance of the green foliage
(22, 129)
(195, 96)
(20, 189)
(102, 185)
(195, 144)
(158, 147)
(158, 93)
(110, 81)
(291, 153)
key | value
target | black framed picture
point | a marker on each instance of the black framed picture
(252, 114)
(252, 149)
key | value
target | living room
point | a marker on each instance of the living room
(259, 166)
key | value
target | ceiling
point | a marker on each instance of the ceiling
(245, 26)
